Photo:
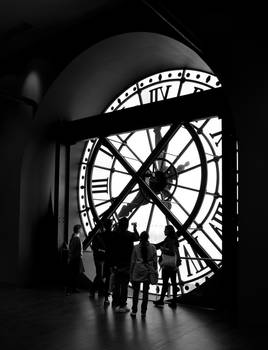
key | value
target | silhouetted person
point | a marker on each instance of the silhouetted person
(75, 264)
(143, 265)
(169, 246)
(121, 257)
(99, 251)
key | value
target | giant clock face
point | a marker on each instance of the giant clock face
(169, 174)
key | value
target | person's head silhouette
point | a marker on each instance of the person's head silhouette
(123, 224)
(170, 231)
(107, 224)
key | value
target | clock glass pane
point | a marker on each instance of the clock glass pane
(162, 175)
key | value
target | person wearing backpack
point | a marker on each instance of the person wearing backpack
(143, 269)
(169, 262)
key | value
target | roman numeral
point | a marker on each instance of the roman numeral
(218, 214)
(157, 93)
(193, 265)
(217, 218)
(217, 137)
(100, 186)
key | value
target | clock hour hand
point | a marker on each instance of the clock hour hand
(172, 176)
(153, 181)
(181, 167)
(137, 201)
(158, 138)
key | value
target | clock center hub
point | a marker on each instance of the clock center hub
(158, 181)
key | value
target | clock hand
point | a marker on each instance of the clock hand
(158, 138)
(136, 176)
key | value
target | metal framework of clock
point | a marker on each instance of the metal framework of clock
(166, 174)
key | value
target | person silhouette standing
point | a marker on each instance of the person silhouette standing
(143, 264)
(99, 251)
(75, 263)
(123, 242)
(169, 246)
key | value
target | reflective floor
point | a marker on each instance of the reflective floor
(47, 319)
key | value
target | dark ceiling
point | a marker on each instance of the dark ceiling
(48, 28)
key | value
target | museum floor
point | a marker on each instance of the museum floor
(46, 319)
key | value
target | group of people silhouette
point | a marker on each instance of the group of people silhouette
(119, 262)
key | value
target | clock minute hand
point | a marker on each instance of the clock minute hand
(135, 175)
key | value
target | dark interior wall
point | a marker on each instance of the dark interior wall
(23, 174)
(247, 94)
(37, 230)
(15, 125)
(13, 135)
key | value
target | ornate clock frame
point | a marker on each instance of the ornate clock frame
(191, 106)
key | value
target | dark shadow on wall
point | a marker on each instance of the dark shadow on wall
(46, 257)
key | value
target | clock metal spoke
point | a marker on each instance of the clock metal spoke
(158, 138)
(164, 201)
(200, 228)
(154, 154)
(183, 209)
(110, 200)
(211, 240)
(198, 225)
(170, 216)
(199, 165)
(195, 245)
(199, 129)
(115, 170)
(107, 153)
(130, 149)
(109, 212)
(136, 177)
(154, 197)
(194, 212)
(103, 202)
(193, 189)
(151, 146)
(150, 217)
(133, 191)
(149, 140)
(182, 152)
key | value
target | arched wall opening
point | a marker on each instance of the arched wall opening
(89, 83)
